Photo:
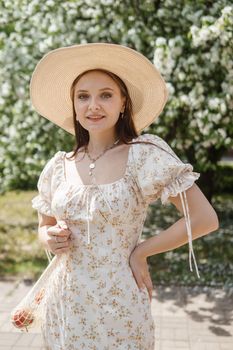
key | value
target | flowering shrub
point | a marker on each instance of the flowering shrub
(190, 43)
(199, 72)
(198, 68)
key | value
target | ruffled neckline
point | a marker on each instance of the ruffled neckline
(59, 170)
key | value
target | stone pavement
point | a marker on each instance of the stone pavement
(186, 318)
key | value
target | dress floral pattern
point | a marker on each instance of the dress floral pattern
(96, 303)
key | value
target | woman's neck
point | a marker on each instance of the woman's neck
(99, 142)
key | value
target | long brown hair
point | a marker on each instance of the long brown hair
(125, 127)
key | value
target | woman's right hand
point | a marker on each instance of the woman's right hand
(58, 238)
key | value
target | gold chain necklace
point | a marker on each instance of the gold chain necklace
(93, 160)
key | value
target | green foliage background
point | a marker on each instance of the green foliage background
(189, 41)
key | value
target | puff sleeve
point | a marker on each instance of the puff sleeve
(160, 174)
(42, 202)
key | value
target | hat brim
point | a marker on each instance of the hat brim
(55, 72)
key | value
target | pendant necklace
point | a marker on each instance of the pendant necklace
(93, 160)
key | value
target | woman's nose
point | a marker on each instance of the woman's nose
(93, 104)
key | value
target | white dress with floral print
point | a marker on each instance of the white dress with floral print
(96, 303)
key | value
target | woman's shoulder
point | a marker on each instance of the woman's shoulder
(150, 143)
(153, 148)
(53, 162)
(152, 138)
(72, 154)
(55, 156)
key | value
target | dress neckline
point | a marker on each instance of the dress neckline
(121, 179)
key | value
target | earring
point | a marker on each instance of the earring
(122, 115)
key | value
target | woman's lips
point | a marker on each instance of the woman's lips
(95, 118)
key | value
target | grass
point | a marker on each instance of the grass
(22, 256)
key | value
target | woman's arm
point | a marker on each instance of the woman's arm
(203, 220)
(44, 222)
(54, 235)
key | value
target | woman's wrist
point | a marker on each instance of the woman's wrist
(140, 252)
(43, 235)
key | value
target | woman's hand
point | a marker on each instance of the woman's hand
(140, 271)
(58, 238)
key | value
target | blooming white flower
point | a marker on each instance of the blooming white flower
(214, 117)
(213, 103)
(185, 99)
(160, 41)
(223, 107)
(228, 10)
(170, 88)
(52, 28)
(5, 89)
(222, 133)
(181, 76)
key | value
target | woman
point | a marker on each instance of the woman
(92, 202)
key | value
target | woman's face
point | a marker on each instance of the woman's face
(97, 102)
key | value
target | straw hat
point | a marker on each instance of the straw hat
(53, 76)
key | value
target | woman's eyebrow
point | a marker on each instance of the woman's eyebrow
(105, 88)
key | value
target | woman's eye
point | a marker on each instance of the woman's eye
(82, 97)
(107, 95)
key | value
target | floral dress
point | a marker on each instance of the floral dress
(95, 303)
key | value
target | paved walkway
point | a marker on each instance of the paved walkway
(186, 318)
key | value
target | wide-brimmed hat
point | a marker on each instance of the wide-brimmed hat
(55, 72)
